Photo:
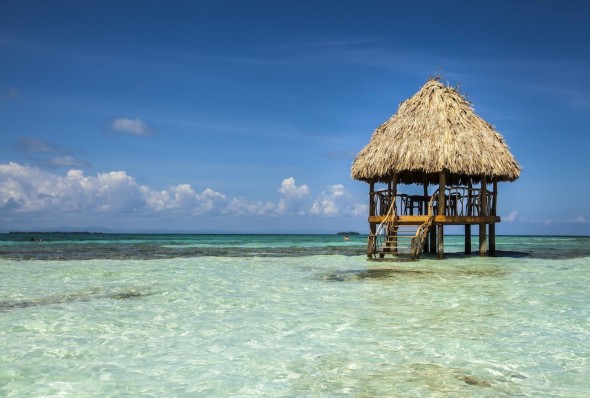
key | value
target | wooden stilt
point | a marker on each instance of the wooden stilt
(372, 226)
(371, 199)
(467, 239)
(482, 240)
(441, 211)
(441, 243)
(393, 190)
(492, 227)
(492, 239)
(484, 212)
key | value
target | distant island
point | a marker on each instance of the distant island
(348, 233)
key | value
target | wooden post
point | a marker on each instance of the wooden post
(393, 196)
(492, 226)
(469, 198)
(389, 196)
(394, 190)
(467, 238)
(492, 239)
(372, 226)
(495, 198)
(425, 185)
(425, 211)
(484, 212)
(372, 199)
(441, 211)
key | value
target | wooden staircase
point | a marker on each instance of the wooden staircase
(400, 240)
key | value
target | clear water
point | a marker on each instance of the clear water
(290, 316)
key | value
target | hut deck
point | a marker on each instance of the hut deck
(438, 220)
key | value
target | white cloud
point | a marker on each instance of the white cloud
(510, 217)
(30, 190)
(243, 207)
(292, 200)
(131, 126)
(337, 202)
(67, 161)
(579, 220)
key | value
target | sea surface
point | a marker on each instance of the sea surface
(102, 315)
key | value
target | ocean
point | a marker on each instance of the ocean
(123, 315)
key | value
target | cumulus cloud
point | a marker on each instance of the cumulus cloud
(293, 197)
(131, 126)
(26, 189)
(336, 201)
(257, 208)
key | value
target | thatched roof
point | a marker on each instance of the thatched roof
(435, 130)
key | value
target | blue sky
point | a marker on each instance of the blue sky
(234, 116)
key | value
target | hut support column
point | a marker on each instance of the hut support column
(425, 211)
(441, 211)
(492, 226)
(484, 212)
(467, 238)
(372, 226)
(393, 202)
(492, 239)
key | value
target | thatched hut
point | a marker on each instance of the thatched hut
(435, 138)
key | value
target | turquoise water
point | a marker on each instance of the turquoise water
(290, 316)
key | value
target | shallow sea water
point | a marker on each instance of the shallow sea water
(290, 316)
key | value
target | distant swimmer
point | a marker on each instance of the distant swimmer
(346, 238)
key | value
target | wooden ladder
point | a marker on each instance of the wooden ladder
(399, 240)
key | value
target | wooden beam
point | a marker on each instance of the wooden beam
(441, 211)
(495, 199)
(441, 192)
(484, 196)
(484, 212)
(492, 226)
(394, 191)
(447, 220)
(425, 192)
(371, 199)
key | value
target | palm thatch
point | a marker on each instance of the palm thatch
(435, 130)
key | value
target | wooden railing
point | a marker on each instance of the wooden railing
(422, 232)
(378, 239)
(459, 201)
